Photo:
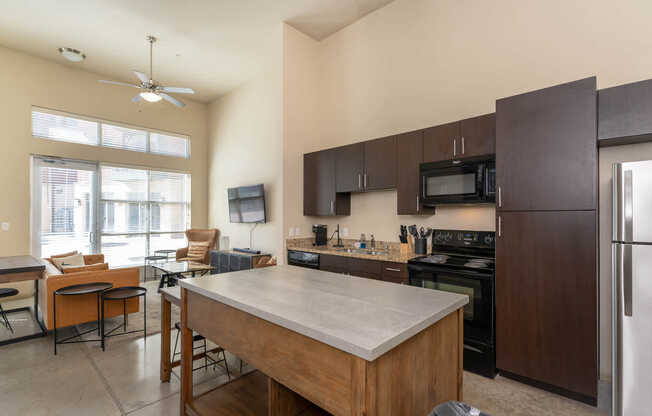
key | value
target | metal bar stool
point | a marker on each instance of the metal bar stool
(124, 294)
(204, 355)
(97, 289)
(148, 262)
(5, 293)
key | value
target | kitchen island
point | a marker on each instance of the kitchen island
(351, 346)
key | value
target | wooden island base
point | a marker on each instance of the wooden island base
(410, 379)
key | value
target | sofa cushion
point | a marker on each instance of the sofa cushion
(56, 256)
(74, 260)
(197, 250)
(88, 268)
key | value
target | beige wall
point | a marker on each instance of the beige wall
(418, 63)
(27, 81)
(246, 148)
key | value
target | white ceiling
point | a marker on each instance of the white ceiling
(211, 46)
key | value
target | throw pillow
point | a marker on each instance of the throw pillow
(197, 250)
(56, 256)
(90, 268)
(74, 260)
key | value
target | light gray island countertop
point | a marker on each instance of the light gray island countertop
(363, 317)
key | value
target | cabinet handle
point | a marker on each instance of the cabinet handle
(500, 197)
(365, 180)
(454, 147)
(500, 226)
(359, 181)
(462, 144)
(332, 207)
(418, 205)
(389, 269)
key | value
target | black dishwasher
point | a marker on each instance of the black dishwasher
(303, 259)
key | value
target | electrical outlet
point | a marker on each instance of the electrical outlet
(6, 226)
(345, 232)
(291, 232)
(297, 231)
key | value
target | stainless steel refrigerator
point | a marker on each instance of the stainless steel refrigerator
(632, 288)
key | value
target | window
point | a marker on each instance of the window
(142, 211)
(56, 125)
(122, 212)
(50, 125)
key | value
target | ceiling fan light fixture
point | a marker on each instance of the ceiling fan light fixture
(152, 97)
(73, 55)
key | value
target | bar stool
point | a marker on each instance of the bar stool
(5, 293)
(207, 358)
(149, 260)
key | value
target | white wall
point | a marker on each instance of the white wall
(419, 63)
(246, 148)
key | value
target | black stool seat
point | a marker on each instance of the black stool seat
(195, 337)
(5, 292)
(125, 292)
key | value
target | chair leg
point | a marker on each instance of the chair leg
(175, 345)
(205, 356)
(226, 364)
(6, 320)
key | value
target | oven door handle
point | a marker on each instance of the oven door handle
(469, 274)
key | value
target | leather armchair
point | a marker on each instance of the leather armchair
(196, 234)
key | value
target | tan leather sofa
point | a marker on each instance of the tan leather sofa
(74, 310)
(195, 234)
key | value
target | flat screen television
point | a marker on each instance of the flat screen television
(247, 204)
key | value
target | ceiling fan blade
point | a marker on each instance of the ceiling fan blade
(142, 77)
(172, 100)
(178, 90)
(124, 84)
(136, 99)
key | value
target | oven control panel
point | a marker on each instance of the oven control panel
(463, 238)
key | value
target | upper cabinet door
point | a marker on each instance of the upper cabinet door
(380, 164)
(442, 142)
(410, 155)
(319, 196)
(624, 114)
(478, 136)
(546, 149)
(349, 168)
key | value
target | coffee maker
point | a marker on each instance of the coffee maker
(321, 234)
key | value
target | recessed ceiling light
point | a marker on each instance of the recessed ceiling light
(72, 55)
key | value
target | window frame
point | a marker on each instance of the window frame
(100, 138)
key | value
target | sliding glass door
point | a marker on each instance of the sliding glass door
(124, 213)
(64, 207)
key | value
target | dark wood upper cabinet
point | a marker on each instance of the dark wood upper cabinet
(410, 156)
(349, 168)
(440, 142)
(625, 114)
(380, 164)
(546, 291)
(478, 136)
(546, 152)
(319, 196)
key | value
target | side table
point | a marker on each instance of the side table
(96, 288)
(124, 293)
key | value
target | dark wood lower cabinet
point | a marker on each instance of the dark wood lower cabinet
(546, 294)
(370, 269)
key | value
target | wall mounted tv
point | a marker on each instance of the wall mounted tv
(247, 204)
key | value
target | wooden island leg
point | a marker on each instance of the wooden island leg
(166, 318)
(460, 355)
(186, 355)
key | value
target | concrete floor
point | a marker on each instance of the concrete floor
(83, 380)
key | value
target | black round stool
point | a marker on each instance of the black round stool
(6, 292)
(124, 293)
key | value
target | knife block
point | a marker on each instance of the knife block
(405, 248)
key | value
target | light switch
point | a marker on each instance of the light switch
(291, 232)
(5, 226)
(297, 231)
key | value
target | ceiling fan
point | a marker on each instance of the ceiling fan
(152, 90)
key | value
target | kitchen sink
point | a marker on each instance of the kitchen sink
(371, 252)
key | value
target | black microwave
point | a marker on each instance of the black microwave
(462, 181)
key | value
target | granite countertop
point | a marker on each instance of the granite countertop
(363, 317)
(393, 255)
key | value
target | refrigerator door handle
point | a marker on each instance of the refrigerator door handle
(628, 202)
(627, 279)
